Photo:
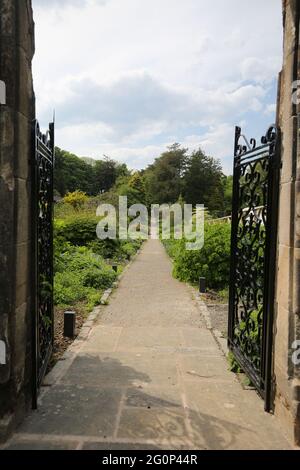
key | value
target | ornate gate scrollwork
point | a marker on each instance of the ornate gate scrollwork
(253, 252)
(42, 184)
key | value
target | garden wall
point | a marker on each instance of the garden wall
(287, 374)
(16, 52)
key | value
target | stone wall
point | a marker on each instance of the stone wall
(287, 375)
(16, 52)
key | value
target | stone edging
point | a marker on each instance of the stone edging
(218, 336)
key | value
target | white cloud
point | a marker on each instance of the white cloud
(260, 69)
(50, 4)
(270, 109)
(137, 104)
(127, 75)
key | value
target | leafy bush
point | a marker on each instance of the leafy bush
(117, 250)
(77, 199)
(211, 262)
(81, 275)
(98, 278)
(233, 364)
(110, 249)
(79, 230)
(129, 248)
(68, 288)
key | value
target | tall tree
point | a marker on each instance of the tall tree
(203, 181)
(106, 173)
(71, 173)
(163, 178)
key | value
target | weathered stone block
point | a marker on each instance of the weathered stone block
(290, 23)
(22, 294)
(284, 222)
(297, 210)
(288, 152)
(26, 27)
(9, 69)
(296, 280)
(20, 340)
(285, 416)
(22, 167)
(284, 271)
(6, 270)
(7, 132)
(25, 91)
(24, 198)
(7, 18)
(22, 263)
(287, 108)
(6, 227)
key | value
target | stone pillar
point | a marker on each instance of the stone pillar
(16, 52)
(287, 374)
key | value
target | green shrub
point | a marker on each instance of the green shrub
(99, 278)
(233, 364)
(77, 199)
(79, 230)
(81, 275)
(130, 247)
(211, 262)
(109, 249)
(68, 288)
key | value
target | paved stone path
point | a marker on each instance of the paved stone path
(149, 376)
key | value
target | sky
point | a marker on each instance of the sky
(127, 78)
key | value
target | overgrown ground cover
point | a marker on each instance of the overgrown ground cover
(83, 264)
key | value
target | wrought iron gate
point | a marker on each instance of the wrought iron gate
(42, 197)
(253, 252)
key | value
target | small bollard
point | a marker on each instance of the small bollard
(202, 285)
(115, 268)
(69, 324)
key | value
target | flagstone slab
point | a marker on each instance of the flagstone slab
(75, 410)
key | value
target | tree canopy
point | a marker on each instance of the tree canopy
(85, 174)
(176, 174)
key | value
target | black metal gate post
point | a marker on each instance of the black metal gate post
(253, 255)
(42, 252)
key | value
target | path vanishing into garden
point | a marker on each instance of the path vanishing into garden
(150, 375)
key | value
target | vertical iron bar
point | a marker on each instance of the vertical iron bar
(34, 283)
(234, 229)
(52, 146)
(273, 199)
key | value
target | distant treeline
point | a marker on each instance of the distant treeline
(176, 175)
